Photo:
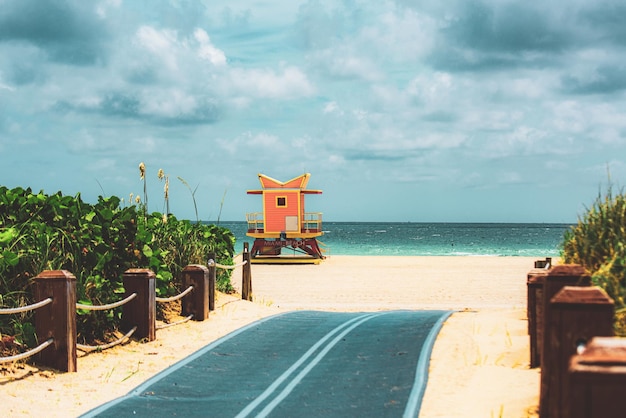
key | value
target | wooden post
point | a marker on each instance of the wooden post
(534, 312)
(597, 379)
(196, 302)
(557, 278)
(212, 277)
(141, 311)
(57, 320)
(577, 315)
(246, 275)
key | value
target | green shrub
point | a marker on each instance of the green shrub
(597, 242)
(97, 243)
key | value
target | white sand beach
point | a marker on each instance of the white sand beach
(479, 365)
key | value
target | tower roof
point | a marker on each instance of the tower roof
(299, 182)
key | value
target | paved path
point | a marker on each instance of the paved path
(298, 364)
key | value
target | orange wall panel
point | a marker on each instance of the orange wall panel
(274, 215)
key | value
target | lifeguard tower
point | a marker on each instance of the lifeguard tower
(284, 223)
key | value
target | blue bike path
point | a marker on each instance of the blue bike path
(297, 364)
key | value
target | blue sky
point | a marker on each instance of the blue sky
(451, 111)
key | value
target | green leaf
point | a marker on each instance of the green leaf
(107, 214)
(10, 258)
(8, 235)
(147, 251)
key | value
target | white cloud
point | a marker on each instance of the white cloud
(343, 62)
(266, 83)
(261, 141)
(402, 35)
(5, 87)
(102, 9)
(162, 43)
(432, 88)
(169, 103)
(207, 50)
(264, 140)
(331, 107)
(568, 117)
(174, 50)
(449, 92)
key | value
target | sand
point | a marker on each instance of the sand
(479, 365)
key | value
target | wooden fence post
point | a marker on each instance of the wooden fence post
(577, 315)
(597, 379)
(246, 274)
(141, 311)
(212, 279)
(196, 303)
(57, 320)
(557, 278)
(535, 280)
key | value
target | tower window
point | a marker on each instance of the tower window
(281, 201)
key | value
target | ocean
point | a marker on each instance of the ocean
(432, 239)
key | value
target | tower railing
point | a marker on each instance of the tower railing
(255, 222)
(310, 222)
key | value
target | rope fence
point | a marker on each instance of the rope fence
(57, 321)
(90, 348)
(176, 297)
(171, 324)
(106, 307)
(40, 347)
(27, 354)
(21, 309)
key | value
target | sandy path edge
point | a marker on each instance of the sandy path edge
(479, 364)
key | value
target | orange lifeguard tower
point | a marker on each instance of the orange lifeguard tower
(284, 222)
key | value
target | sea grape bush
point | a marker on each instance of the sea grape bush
(97, 243)
(598, 242)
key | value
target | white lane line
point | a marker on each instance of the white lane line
(421, 373)
(287, 390)
(268, 392)
(139, 390)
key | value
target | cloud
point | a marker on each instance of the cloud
(450, 93)
(207, 50)
(162, 44)
(68, 32)
(604, 20)
(506, 27)
(161, 107)
(289, 83)
(606, 79)
(491, 35)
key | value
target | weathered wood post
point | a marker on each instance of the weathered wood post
(535, 281)
(597, 379)
(141, 311)
(57, 320)
(577, 315)
(557, 278)
(212, 278)
(196, 302)
(246, 274)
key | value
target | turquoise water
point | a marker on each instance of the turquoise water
(391, 238)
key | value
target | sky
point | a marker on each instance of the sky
(417, 111)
